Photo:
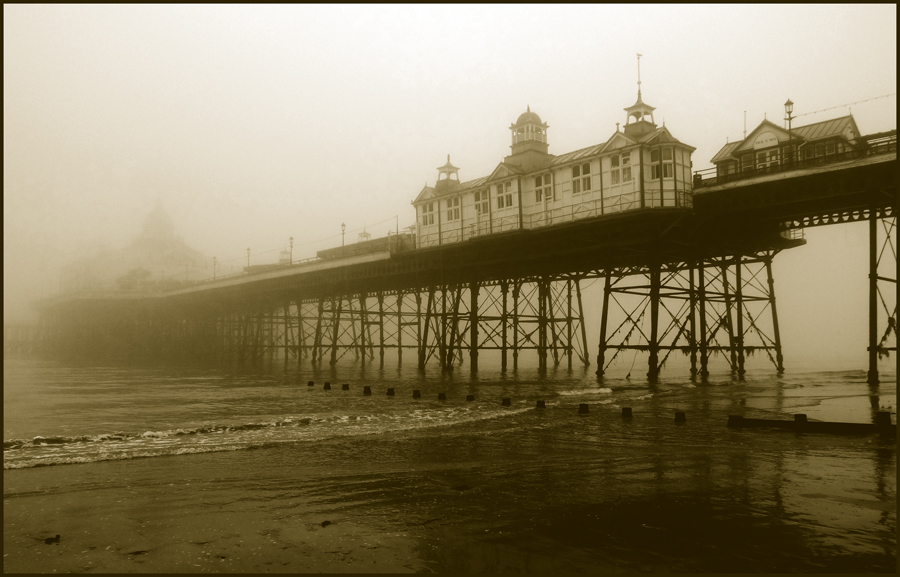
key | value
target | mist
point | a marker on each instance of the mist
(253, 124)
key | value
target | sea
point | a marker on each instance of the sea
(248, 468)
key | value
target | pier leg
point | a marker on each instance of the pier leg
(381, 327)
(335, 326)
(583, 353)
(423, 342)
(653, 362)
(872, 377)
(604, 318)
(693, 318)
(779, 358)
(569, 319)
(400, 327)
(517, 286)
(739, 305)
(704, 348)
(473, 326)
(728, 323)
(504, 317)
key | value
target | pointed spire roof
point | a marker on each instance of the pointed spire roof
(448, 167)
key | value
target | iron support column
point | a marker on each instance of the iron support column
(779, 358)
(473, 326)
(653, 362)
(739, 304)
(604, 317)
(873, 294)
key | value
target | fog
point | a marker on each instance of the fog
(252, 124)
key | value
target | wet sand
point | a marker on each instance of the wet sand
(542, 492)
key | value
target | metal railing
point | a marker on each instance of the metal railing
(881, 145)
(609, 205)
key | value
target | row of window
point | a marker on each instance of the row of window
(620, 172)
(774, 156)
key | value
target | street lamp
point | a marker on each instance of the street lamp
(343, 227)
(248, 257)
(214, 268)
(292, 249)
(788, 109)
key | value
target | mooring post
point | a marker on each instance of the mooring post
(473, 326)
(779, 358)
(653, 362)
(872, 377)
(604, 317)
(739, 304)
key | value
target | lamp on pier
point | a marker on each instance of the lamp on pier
(292, 249)
(343, 228)
(788, 109)
(214, 267)
(248, 256)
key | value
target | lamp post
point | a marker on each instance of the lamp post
(214, 268)
(292, 249)
(343, 228)
(788, 109)
(248, 257)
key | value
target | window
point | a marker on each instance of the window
(543, 187)
(581, 178)
(829, 147)
(747, 162)
(654, 164)
(624, 161)
(504, 195)
(481, 202)
(453, 208)
(428, 214)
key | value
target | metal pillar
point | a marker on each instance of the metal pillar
(473, 326)
(601, 352)
(872, 377)
(653, 361)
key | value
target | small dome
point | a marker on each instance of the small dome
(529, 117)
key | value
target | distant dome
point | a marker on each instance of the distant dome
(529, 117)
(158, 225)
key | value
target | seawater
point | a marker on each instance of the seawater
(54, 414)
(478, 486)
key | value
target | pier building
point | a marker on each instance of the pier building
(641, 165)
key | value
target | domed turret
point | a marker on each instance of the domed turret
(529, 133)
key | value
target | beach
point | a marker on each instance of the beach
(382, 484)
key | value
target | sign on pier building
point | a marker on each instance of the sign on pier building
(640, 166)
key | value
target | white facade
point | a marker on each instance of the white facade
(642, 167)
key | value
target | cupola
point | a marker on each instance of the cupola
(529, 133)
(448, 176)
(639, 111)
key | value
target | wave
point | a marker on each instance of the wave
(573, 392)
(46, 451)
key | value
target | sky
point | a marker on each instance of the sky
(253, 124)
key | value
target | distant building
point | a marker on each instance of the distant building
(157, 259)
(770, 145)
(640, 166)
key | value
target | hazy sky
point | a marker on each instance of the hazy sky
(256, 123)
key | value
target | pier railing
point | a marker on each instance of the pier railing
(608, 205)
(875, 144)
